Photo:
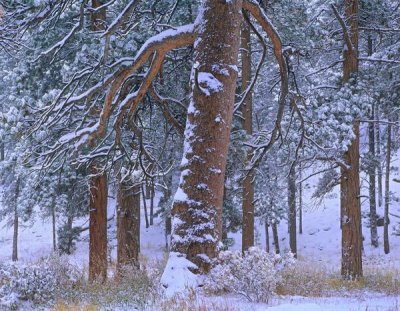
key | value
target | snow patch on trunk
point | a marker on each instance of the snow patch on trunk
(209, 84)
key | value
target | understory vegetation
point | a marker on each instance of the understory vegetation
(54, 283)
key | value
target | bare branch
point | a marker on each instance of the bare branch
(256, 11)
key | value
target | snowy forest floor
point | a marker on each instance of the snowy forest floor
(316, 284)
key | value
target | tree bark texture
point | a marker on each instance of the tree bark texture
(98, 228)
(351, 213)
(247, 114)
(350, 177)
(197, 207)
(128, 225)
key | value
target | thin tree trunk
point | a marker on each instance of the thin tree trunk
(197, 207)
(386, 244)
(167, 216)
(128, 226)
(275, 237)
(152, 194)
(372, 183)
(16, 223)
(98, 228)
(378, 155)
(168, 229)
(1, 151)
(350, 177)
(300, 200)
(247, 114)
(53, 219)
(15, 236)
(292, 211)
(267, 236)
(146, 216)
(148, 189)
(70, 220)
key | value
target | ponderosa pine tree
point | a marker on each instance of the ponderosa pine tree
(197, 226)
(197, 213)
(98, 192)
(247, 123)
(350, 177)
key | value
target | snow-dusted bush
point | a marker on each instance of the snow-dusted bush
(38, 283)
(254, 275)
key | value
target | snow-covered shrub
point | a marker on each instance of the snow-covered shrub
(254, 275)
(38, 283)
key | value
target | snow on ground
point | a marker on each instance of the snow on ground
(35, 241)
(371, 301)
(321, 238)
(320, 243)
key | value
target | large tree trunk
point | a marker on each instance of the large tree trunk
(372, 183)
(350, 177)
(98, 193)
(98, 228)
(351, 212)
(292, 211)
(197, 207)
(386, 245)
(128, 225)
(247, 114)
